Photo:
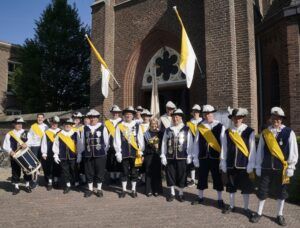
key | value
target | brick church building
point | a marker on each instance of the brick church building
(247, 49)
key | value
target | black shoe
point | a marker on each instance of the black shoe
(228, 210)
(55, 185)
(28, 189)
(99, 193)
(66, 190)
(49, 187)
(149, 194)
(34, 185)
(247, 212)
(155, 194)
(133, 194)
(170, 198)
(280, 220)
(15, 191)
(122, 194)
(221, 204)
(181, 198)
(198, 201)
(191, 184)
(88, 193)
(255, 218)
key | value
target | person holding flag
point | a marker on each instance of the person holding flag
(112, 166)
(193, 124)
(51, 169)
(238, 158)
(276, 159)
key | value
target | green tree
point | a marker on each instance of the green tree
(56, 63)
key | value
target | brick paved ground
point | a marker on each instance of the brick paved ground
(53, 209)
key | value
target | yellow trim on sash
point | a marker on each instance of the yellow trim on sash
(50, 135)
(37, 130)
(12, 134)
(276, 151)
(68, 141)
(239, 142)
(210, 138)
(110, 127)
(192, 127)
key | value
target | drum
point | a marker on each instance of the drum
(27, 160)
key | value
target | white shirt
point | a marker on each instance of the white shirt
(196, 121)
(209, 126)
(44, 145)
(166, 121)
(117, 139)
(176, 130)
(81, 141)
(293, 156)
(139, 121)
(252, 148)
(55, 147)
(6, 143)
(33, 139)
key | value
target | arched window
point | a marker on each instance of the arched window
(275, 84)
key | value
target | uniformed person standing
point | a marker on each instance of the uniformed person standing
(276, 159)
(176, 153)
(51, 169)
(127, 149)
(12, 141)
(238, 158)
(207, 149)
(193, 125)
(95, 143)
(138, 117)
(166, 119)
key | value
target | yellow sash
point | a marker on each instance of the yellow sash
(12, 134)
(138, 160)
(68, 141)
(50, 135)
(209, 137)
(110, 127)
(239, 142)
(37, 130)
(276, 151)
(192, 127)
(75, 129)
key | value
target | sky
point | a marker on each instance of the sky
(17, 17)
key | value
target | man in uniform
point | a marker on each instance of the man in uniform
(138, 118)
(276, 159)
(207, 150)
(166, 119)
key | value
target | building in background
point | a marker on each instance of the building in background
(248, 49)
(8, 65)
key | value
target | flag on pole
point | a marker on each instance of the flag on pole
(104, 69)
(154, 98)
(187, 55)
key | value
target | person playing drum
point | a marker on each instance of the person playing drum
(15, 139)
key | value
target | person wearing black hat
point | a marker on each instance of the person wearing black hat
(207, 149)
(193, 124)
(238, 158)
(176, 153)
(112, 166)
(65, 149)
(276, 159)
(12, 141)
(127, 149)
(51, 169)
(95, 144)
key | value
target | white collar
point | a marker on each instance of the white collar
(130, 125)
(95, 126)
(54, 130)
(241, 128)
(178, 127)
(67, 133)
(274, 130)
(18, 132)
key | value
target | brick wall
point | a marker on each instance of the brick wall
(4, 56)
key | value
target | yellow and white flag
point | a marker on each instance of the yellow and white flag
(104, 69)
(187, 55)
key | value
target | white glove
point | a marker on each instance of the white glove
(79, 158)
(140, 153)
(188, 160)
(224, 170)
(56, 160)
(223, 166)
(119, 157)
(249, 169)
(258, 172)
(196, 162)
(163, 160)
(290, 172)
(44, 156)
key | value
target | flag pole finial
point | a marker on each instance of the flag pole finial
(175, 8)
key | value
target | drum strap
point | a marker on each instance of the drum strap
(12, 134)
(37, 130)
(68, 141)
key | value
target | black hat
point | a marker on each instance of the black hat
(178, 112)
(18, 120)
(129, 109)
